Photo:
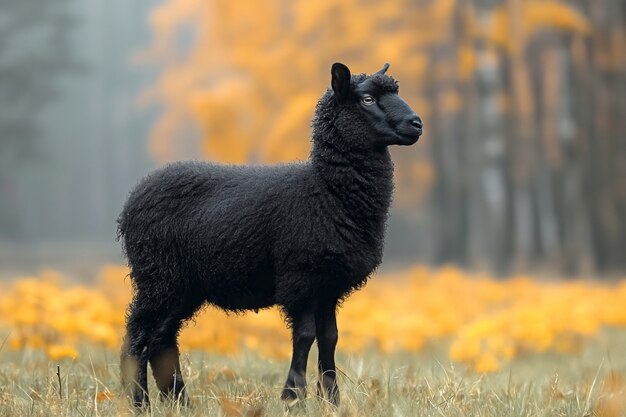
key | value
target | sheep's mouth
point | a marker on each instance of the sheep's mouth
(409, 138)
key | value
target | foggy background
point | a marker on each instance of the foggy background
(73, 138)
(521, 169)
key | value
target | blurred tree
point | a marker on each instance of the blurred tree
(34, 51)
(524, 151)
(253, 73)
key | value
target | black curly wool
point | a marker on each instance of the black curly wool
(301, 236)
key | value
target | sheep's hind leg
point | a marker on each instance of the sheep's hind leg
(303, 334)
(327, 335)
(167, 374)
(134, 357)
(164, 357)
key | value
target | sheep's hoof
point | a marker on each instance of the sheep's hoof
(293, 397)
(329, 394)
(180, 400)
(292, 404)
(141, 402)
(141, 408)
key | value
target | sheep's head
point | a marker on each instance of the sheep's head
(368, 108)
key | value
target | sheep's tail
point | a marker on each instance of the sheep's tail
(138, 254)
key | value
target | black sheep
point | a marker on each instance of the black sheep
(301, 236)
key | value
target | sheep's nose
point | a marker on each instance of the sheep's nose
(417, 123)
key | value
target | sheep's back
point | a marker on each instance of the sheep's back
(207, 219)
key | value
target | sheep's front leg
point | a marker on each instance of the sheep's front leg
(303, 334)
(327, 335)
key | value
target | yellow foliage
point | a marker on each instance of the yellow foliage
(535, 15)
(255, 70)
(487, 362)
(282, 143)
(553, 14)
(248, 81)
(488, 322)
(241, 80)
(56, 352)
(467, 60)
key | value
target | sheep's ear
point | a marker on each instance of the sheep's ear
(340, 81)
(383, 70)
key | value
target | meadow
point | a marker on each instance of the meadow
(423, 341)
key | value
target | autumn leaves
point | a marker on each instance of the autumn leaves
(486, 322)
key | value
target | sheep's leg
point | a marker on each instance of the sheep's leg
(327, 335)
(303, 335)
(134, 358)
(164, 360)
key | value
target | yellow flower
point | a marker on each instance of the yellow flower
(56, 352)
(487, 362)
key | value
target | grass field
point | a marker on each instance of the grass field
(399, 384)
(421, 342)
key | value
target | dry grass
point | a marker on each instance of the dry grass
(418, 343)
(589, 383)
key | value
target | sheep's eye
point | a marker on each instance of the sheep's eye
(368, 100)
